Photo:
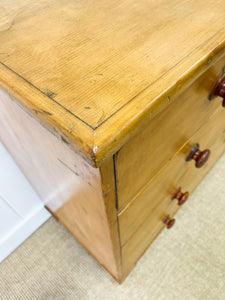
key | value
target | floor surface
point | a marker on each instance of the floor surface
(186, 262)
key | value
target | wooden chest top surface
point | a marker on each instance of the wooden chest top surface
(95, 71)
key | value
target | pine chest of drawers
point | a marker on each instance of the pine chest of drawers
(108, 108)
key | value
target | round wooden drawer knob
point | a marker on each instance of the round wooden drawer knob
(169, 222)
(219, 89)
(200, 157)
(181, 197)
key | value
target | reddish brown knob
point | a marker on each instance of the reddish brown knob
(200, 157)
(219, 89)
(181, 197)
(169, 222)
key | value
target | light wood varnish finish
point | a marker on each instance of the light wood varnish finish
(97, 70)
(172, 127)
(73, 191)
(91, 97)
(176, 173)
(142, 221)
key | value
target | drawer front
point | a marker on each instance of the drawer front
(143, 219)
(146, 153)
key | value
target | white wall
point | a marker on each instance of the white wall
(21, 210)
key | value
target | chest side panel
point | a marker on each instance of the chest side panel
(70, 188)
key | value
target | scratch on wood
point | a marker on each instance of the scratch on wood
(101, 119)
(107, 192)
(65, 165)
(49, 93)
(37, 111)
(64, 140)
(71, 128)
(47, 112)
(44, 111)
(8, 25)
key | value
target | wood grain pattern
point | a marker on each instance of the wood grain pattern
(94, 75)
(81, 197)
(165, 134)
(98, 71)
(143, 219)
